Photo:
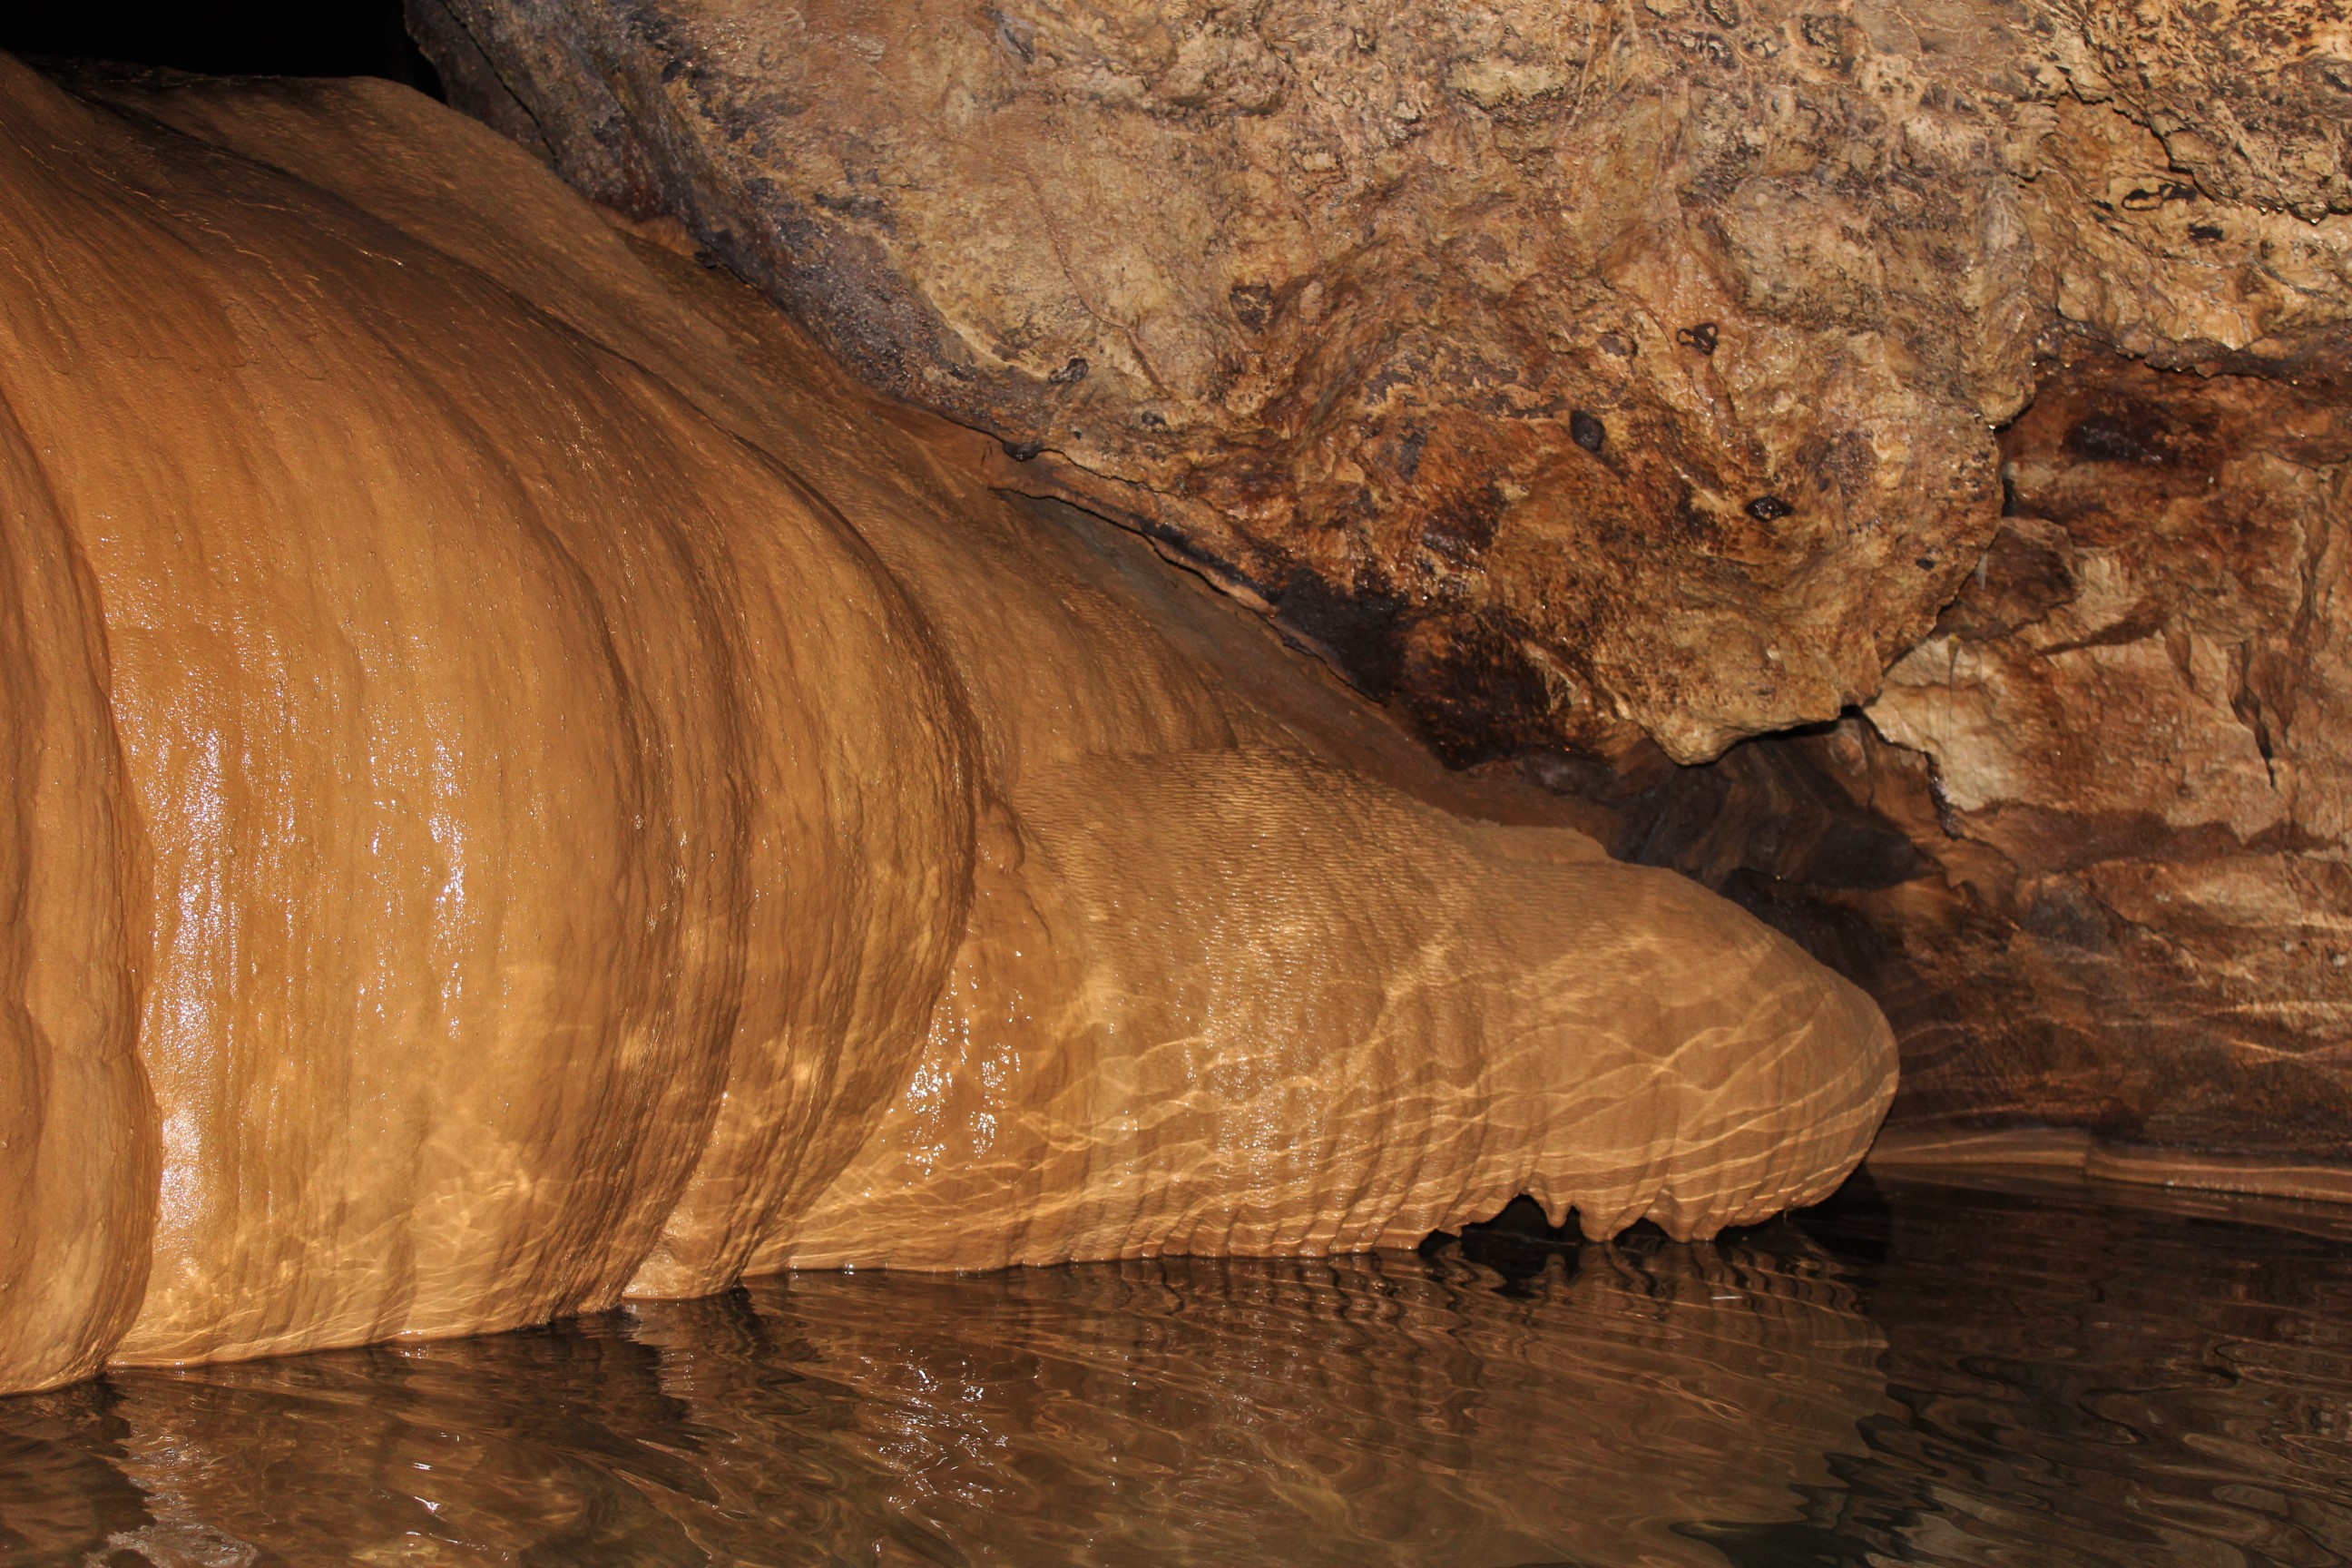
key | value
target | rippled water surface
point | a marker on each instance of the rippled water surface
(2019, 1374)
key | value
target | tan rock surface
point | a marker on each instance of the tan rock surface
(1572, 372)
(2089, 846)
(565, 796)
(2139, 729)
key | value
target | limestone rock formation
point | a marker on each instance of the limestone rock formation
(1603, 382)
(2089, 846)
(1572, 372)
(522, 783)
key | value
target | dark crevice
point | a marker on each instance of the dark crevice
(359, 38)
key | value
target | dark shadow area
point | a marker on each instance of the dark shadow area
(1854, 1224)
(359, 38)
(1518, 1244)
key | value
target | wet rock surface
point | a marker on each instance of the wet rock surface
(520, 784)
(1604, 384)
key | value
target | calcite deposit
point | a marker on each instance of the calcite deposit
(1603, 382)
(522, 784)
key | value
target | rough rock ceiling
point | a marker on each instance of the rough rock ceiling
(1570, 373)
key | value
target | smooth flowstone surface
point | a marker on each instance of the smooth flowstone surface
(520, 784)
(1930, 1375)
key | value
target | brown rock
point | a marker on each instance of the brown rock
(1576, 374)
(1569, 373)
(564, 794)
(2139, 729)
(2089, 846)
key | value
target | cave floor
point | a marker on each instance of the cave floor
(2012, 1371)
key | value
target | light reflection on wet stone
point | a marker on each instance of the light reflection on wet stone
(1961, 1377)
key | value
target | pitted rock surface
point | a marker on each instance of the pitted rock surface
(2089, 846)
(1569, 373)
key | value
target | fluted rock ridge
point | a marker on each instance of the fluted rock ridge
(518, 784)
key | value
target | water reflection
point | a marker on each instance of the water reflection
(1946, 1377)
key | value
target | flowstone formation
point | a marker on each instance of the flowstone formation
(1603, 382)
(523, 784)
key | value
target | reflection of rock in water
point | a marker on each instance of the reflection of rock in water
(2044, 1381)
(1361, 1412)
(557, 794)
(2108, 1386)
(1427, 1423)
(62, 1489)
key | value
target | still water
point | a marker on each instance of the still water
(2006, 1374)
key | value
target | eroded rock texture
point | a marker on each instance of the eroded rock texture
(521, 783)
(1572, 371)
(1604, 382)
(2146, 710)
(2090, 844)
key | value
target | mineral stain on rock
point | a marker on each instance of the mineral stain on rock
(1748, 231)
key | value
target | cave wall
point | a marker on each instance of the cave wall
(2088, 845)
(1573, 374)
(1883, 455)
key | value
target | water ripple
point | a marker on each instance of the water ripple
(2030, 1375)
